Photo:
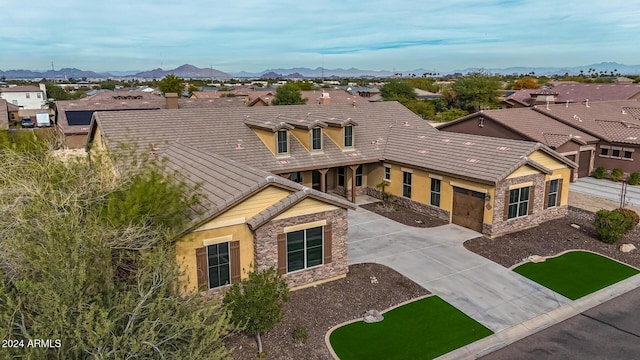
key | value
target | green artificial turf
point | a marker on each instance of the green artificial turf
(577, 273)
(423, 329)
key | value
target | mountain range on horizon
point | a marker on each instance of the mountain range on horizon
(192, 72)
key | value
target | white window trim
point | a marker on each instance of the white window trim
(321, 140)
(388, 179)
(344, 137)
(528, 201)
(431, 191)
(410, 185)
(557, 192)
(228, 265)
(278, 145)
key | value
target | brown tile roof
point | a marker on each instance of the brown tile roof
(482, 158)
(612, 121)
(129, 100)
(532, 125)
(578, 92)
(386, 130)
(20, 89)
(213, 173)
(223, 131)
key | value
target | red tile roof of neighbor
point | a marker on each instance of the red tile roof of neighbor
(384, 131)
(578, 92)
(612, 121)
(530, 124)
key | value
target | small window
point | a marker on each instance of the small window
(518, 202)
(28, 95)
(341, 176)
(604, 152)
(359, 176)
(296, 177)
(615, 153)
(435, 192)
(316, 138)
(387, 173)
(14, 102)
(218, 263)
(628, 154)
(283, 142)
(304, 248)
(552, 199)
(406, 184)
(39, 95)
(348, 136)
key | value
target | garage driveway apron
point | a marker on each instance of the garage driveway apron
(436, 259)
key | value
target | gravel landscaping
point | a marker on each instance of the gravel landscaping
(552, 238)
(405, 216)
(318, 308)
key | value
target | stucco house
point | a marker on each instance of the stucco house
(331, 154)
(29, 99)
(591, 133)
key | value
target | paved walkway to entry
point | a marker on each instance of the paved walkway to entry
(436, 259)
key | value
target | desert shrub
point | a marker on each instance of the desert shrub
(599, 172)
(634, 178)
(300, 334)
(616, 174)
(631, 218)
(610, 225)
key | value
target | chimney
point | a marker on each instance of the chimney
(586, 102)
(172, 100)
(325, 99)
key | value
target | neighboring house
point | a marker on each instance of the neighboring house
(572, 92)
(25, 97)
(8, 114)
(530, 125)
(593, 134)
(73, 117)
(487, 184)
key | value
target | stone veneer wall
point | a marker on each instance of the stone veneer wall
(536, 217)
(266, 246)
(413, 205)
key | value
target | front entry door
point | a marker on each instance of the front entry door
(468, 208)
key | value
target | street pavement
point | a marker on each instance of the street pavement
(606, 189)
(608, 331)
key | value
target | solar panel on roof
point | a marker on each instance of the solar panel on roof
(79, 117)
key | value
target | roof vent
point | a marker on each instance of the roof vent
(422, 137)
(624, 112)
(306, 190)
(503, 148)
(567, 104)
(423, 151)
(406, 123)
(446, 140)
(467, 143)
(586, 102)
(239, 147)
(473, 160)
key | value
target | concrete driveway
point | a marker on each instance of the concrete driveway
(436, 259)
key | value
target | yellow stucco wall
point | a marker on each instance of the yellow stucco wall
(305, 207)
(248, 208)
(565, 174)
(524, 170)
(421, 186)
(303, 136)
(268, 138)
(97, 142)
(547, 161)
(186, 250)
(336, 134)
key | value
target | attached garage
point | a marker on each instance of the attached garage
(468, 208)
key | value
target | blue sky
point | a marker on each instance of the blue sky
(256, 35)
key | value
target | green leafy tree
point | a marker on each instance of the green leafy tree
(171, 84)
(288, 94)
(526, 83)
(108, 85)
(450, 114)
(105, 286)
(425, 109)
(256, 302)
(397, 90)
(192, 89)
(475, 91)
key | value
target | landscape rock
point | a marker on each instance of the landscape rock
(575, 226)
(625, 248)
(372, 316)
(536, 259)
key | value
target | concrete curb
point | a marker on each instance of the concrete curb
(541, 322)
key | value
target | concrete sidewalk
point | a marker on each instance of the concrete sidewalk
(436, 259)
(607, 190)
